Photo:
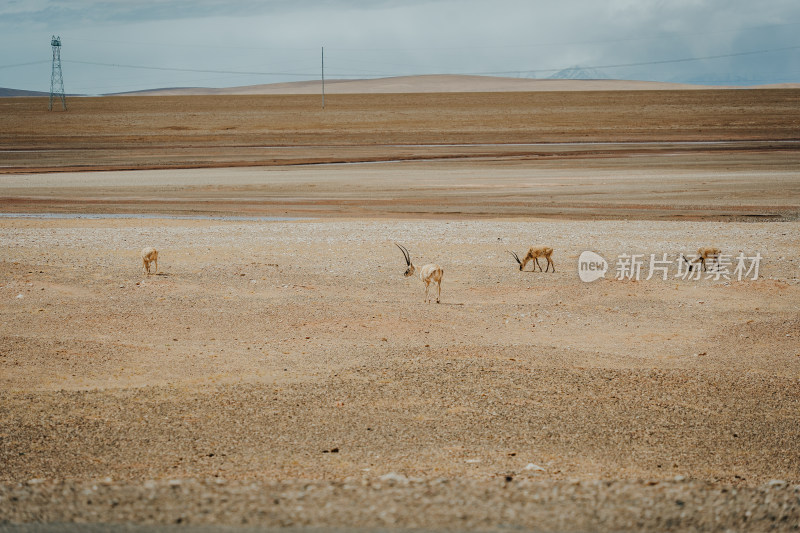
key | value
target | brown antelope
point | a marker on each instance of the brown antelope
(149, 255)
(431, 273)
(704, 254)
(535, 254)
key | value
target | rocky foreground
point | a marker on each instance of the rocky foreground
(394, 501)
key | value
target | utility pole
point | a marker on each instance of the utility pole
(56, 79)
(323, 77)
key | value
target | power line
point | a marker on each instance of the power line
(200, 45)
(351, 72)
(307, 75)
(650, 37)
(657, 62)
(687, 59)
(175, 69)
(26, 64)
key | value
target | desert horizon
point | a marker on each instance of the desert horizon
(423, 83)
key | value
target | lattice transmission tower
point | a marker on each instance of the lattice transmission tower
(56, 78)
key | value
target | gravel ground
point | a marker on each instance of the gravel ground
(440, 504)
(286, 374)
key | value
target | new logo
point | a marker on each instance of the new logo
(591, 266)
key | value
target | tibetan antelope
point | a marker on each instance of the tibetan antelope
(431, 273)
(704, 254)
(535, 254)
(149, 255)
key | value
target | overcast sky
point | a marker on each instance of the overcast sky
(115, 46)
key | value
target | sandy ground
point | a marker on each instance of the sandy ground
(663, 183)
(282, 372)
(266, 351)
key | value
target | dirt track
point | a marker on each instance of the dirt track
(291, 359)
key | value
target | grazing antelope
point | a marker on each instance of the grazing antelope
(535, 254)
(703, 254)
(431, 273)
(149, 255)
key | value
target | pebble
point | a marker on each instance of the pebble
(395, 477)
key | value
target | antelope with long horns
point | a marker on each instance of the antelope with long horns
(431, 273)
(535, 254)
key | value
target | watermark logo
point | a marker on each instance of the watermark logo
(638, 267)
(591, 266)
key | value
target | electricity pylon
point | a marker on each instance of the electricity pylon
(56, 78)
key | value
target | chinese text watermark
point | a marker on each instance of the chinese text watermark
(637, 267)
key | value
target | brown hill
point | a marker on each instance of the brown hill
(432, 84)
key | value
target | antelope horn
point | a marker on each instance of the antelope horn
(405, 253)
(516, 257)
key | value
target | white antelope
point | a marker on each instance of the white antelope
(535, 254)
(149, 255)
(703, 255)
(431, 273)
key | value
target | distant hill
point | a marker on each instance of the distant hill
(445, 83)
(579, 73)
(17, 92)
(166, 90)
(571, 79)
(734, 79)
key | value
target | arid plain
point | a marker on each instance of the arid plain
(280, 371)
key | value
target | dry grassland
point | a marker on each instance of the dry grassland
(186, 131)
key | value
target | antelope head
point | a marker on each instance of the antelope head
(410, 270)
(516, 258)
